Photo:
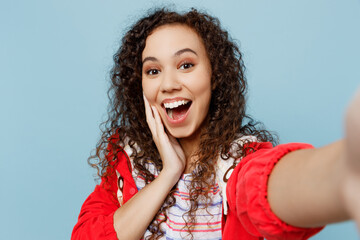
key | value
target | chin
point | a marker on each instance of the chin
(180, 133)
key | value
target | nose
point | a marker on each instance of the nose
(170, 82)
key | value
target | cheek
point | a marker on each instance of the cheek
(149, 91)
(202, 85)
(203, 90)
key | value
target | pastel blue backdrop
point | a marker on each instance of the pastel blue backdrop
(302, 61)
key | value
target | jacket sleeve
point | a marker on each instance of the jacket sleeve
(96, 216)
(247, 193)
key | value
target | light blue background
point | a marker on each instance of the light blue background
(302, 61)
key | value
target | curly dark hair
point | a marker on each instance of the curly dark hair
(226, 120)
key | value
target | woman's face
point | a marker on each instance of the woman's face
(176, 78)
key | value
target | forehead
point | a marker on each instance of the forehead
(171, 38)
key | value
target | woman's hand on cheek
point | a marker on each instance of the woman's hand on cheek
(171, 153)
(351, 188)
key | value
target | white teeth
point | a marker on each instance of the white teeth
(175, 104)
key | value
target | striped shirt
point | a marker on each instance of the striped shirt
(208, 221)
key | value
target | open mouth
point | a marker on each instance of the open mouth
(177, 110)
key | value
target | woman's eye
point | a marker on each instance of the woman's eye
(186, 65)
(152, 72)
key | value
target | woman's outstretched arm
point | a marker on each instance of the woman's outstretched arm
(313, 187)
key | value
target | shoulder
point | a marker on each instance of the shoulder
(224, 167)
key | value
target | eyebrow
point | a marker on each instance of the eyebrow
(178, 53)
(154, 59)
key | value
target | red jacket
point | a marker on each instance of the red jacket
(249, 215)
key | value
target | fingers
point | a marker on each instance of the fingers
(158, 122)
(149, 116)
(153, 119)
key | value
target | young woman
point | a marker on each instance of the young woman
(180, 158)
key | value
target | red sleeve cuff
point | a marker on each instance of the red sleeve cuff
(109, 230)
(96, 217)
(249, 194)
